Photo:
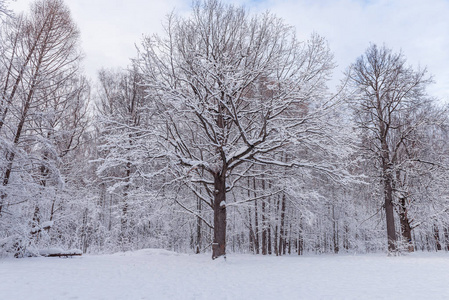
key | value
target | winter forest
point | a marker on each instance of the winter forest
(222, 135)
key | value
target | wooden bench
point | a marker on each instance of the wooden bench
(57, 252)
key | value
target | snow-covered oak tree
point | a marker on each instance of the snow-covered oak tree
(231, 90)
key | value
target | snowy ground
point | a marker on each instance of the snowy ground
(159, 274)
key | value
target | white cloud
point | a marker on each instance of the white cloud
(419, 28)
(110, 28)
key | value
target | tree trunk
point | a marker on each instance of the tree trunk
(250, 223)
(264, 230)
(124, 216)
(300, 245)
(264, 222)
(446, 238)
(436, 234)
(256, 220)
(256, 229)
(219, 243)
(346, 236)
(269, 240)
(406, 230)
(282, 243)
(35, 229)
(84, 238)
(269, 223)
(198, 226)
(290, 240)
(277, 246)
(389, 210)
(123, 237)
(335, 231)
(389, 213)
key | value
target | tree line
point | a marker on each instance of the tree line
(221, 136)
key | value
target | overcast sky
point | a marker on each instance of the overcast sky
(420, 28)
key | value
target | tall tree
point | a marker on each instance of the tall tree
(125, 145)
(50, 47)
(386, 91)
(232, 90)
(43, 106)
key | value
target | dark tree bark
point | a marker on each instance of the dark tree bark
(256, 228)
(389, 210)
(198, 226)
(282, 241)
(256, 221)
(251, 232)
(436, 235)
(446, 238)
(290, 240)
(346, 236)
(219, 243)
(269, 242)
(335, 231)
(264, 230)
(276, 236)
(406, 229)
(300, 244)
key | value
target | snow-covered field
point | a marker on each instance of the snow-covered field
(160, 274)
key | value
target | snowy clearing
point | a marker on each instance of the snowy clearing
(160, 274)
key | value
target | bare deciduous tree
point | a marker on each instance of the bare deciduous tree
(387, 92)
(43, 113)
(47, 58)
(231, 91)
